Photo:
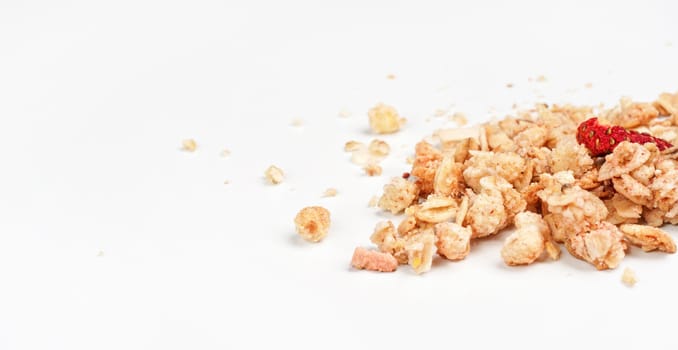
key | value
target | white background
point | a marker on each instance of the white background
(95, 98)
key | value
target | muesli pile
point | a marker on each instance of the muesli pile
(596, 181)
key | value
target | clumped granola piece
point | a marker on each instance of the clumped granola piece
(189, 145)
(648, 238)
(398, 195)
(629, 277)
(453, 240)
(601, 246)
(274, 175)
(494, 207)
(526, 243)
(372, 170)
(386, 239)
(426, 162)
(420, 249)
(630, 188)
(509, 166)
(631, 114)
(448, 179)
(568, 155)
(373, 260)
(625, 158)
(384, 119)
(313, 223)
(568, 209)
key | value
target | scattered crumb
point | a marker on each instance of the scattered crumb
(274, 175)
(668, 44)
(373, 202)
(372, 170)
(428, 119)
(541, 79)
(312, 223)
(100, 253)
(629, 277)
(344, 113)
(226, 182)
(509, 85)
(588, 85)
(297, 122)
(409, 160)
(439, 112)
(189, 145)
(225, 153)
(379, 148)
(384, 119)
(459, 118)
(391, 77)
(330, 192)
(351, 146)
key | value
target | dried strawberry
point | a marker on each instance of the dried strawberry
(602, 139)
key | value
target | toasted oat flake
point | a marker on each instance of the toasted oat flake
(274, 175)
(189, 145)
(629, 277)
(312, 223)
(330, 192)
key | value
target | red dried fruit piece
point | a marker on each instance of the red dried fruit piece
(602, 139)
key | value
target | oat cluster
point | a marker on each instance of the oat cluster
(529, 173)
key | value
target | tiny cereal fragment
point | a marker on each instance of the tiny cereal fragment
(373, 202)
(189, 145)
(629, 277)
(379, 148)
(648, 238)
(373, 260)
(297, 122)
(274, 175)
(372, 170)
(459, 118)
(330, 192)
(312, 223)
(384, 119)
(351, 146)
(225, 153)
(391, 77)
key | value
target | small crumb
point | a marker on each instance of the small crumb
(509, 85)
(459, 118)
(439, 112)
(274, 175)
(100, 253)
(330, 192)
(588, 85)
(373, 202)
(189, 145)
(541, 79)
(391, 77)
(351, 146)
(297, 122)
(372, 170)
(226, 182)
(379, 148)
(312, 223)
(629, 277)
(409, 160)
(225, 153)
(344, 113)
(668, 44)
(384, 119)
(428, 119)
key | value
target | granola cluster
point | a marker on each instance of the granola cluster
(529, 172)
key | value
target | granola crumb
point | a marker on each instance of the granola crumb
(372, 170)
(509, 85)
(409, 160)
(189, 145)
(330, 192)
(297, 122)
(225, 153)
(541, 79)
(100, 253)
(344, 113)
(391, 77)
(274, 175)
(588, 85)
(384, 119)
(312, 223)
(629, 277)
(459, 118)
(373, 260)
(226, 182)
(379, 148)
